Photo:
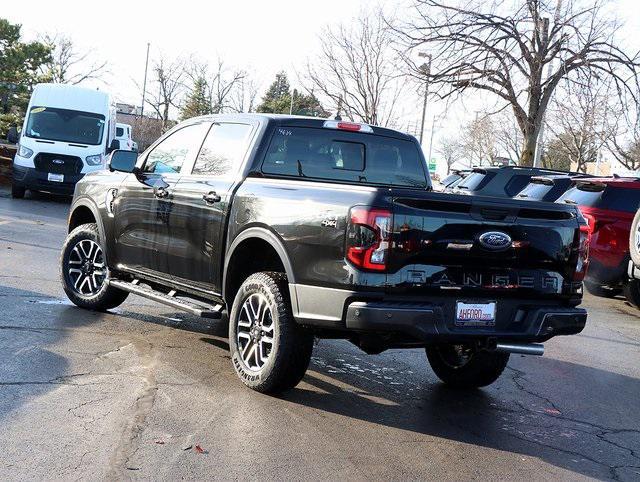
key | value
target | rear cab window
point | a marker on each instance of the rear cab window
(337, 155)
(476, 180)
(535, 191)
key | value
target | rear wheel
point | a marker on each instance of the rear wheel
(602, 291)
(17, 191)
(269, 350)
(463, 366)
(84, 273)
(632, 292)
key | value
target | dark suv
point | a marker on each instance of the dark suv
(499, 181)
(550, 187)
(609, 205)
(301, 227)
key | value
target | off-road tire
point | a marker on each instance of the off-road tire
(634, 249)
(17, 191)
(481, 369)
(107, 297)
(632, 292)
(601, 291)
(292, 346)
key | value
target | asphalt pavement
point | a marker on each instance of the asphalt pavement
(145, 392)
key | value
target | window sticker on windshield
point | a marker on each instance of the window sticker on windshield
(284, 132)
(35, 110)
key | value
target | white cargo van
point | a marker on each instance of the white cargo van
(67, 132)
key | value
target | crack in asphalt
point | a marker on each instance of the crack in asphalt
(135, 422)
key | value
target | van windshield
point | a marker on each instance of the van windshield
(65, 125)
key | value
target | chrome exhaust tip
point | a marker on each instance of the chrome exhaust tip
(536, 349)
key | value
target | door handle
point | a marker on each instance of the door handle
(211, 197)
(161, 192)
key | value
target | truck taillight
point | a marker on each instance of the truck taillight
(584, 237)
(369, 237)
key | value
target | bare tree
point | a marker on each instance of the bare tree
(624, 145)
(451, 150)
(507, 48)
(508, 135)
(244, 97)
(167, 87)
(356, 70)
(221, 83)
(479, 141)
(579, 121)
(69, 65)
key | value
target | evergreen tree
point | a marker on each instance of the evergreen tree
(277, 100)
(20, 65)
(197, 102)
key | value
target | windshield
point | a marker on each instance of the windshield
(65, 125)
(344, 156)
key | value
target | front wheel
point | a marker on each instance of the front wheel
(84, 273)
(463, 366)
(269, 350)
(17, 191)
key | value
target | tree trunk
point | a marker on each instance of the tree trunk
(528, 149)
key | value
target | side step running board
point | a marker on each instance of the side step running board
(192, 306)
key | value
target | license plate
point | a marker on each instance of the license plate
(475, 314)
(55, 177)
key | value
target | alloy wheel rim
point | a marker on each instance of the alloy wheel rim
(255, 332)
(638, 237)
(86, 268)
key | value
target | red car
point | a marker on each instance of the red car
(609, 205)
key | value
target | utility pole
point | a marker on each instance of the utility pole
(293, 93)
(540, 140)
(144, 83)
(426, 69)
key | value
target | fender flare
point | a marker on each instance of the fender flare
(265, 235)
(91, 206)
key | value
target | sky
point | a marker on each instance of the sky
(260, 36)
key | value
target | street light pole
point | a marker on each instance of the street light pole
(144, 83)
(426, 69)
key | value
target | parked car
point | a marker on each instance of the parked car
(550, 187)
(280, 222)
(456, 176)
(123, 136)
(67, 132)
(609, 205)
(505, 181)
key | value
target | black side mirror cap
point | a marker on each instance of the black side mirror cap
(122, 161)
(114, 146)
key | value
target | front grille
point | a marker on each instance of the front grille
(58, 163)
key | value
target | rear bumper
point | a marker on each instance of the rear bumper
(31, 178)
(431, 323)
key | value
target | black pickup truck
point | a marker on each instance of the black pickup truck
(298, 228)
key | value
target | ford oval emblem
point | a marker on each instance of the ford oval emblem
(495, 240)
(57, 161)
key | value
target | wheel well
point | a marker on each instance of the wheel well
(251, 256)
(81, 215)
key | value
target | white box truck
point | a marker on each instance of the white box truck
(67, 132)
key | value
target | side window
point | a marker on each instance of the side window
(174, 151)
(223, 150)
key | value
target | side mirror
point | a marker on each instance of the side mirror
(114, 146)
(12, 135)
(122, 161)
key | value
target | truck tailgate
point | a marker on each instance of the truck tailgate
(480, 244)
